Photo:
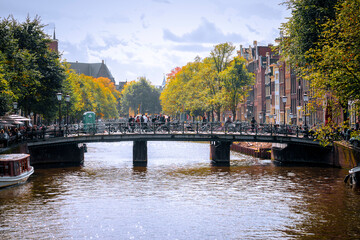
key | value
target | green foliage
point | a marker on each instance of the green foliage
(216, 83)
(32, 74)
(355, 134)
(236, 81)
(140, 94)
(303, 30)
(336, 66)
(328, 133)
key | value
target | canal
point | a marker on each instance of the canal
(179, 196)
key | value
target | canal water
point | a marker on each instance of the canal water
(179, 196)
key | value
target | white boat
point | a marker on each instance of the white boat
(14, 169)
(353, 177)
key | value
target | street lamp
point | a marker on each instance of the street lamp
(306, 99)
(284, 99)
(67, 100)
(31, 117)
(15, 104)
(260, 117)
(59, 97)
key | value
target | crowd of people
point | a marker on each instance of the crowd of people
(12, 134)
(144, 121)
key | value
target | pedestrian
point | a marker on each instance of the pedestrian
(253, 122)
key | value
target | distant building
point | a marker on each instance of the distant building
(95, 70)
(54, 44)
(120, 86)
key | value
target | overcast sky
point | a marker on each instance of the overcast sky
(150, 37)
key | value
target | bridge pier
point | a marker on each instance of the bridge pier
(57, 155)
(140, 154)
(220, 153)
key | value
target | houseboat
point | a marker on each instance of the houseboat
(14, 169)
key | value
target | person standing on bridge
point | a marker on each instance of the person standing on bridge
(253, 123)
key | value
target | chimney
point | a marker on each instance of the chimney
(102, 61)
(250, 53)
(256, 50)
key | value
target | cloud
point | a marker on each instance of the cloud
(207, 32)
(252, 29)
(144, 22)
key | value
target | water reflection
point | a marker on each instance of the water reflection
(179, 196)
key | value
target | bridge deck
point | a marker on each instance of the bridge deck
(195, 137)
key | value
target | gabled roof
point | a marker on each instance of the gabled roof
(92, 69)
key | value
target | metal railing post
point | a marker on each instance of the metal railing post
(297, 131)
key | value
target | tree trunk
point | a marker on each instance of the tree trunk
(234, 114)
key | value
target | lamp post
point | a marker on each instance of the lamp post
(284, 99)
(67, 100)
(15, 104)
(31, 118)
(59, 97)
(260, 117)
(306, 99)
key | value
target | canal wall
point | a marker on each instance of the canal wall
(346, 155)
(341, 154)
(290, 154)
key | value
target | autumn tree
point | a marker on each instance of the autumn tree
(91, 94)
(236, 82)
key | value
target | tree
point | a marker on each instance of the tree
(304, 28)
(236, 81)
(336, 66)
(140, 94)
(90, 94)
(32, 71)
(221, 57)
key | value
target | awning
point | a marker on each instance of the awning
(5, 123)
(14, 118)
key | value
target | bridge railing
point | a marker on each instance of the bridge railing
(177, 127)
(173, 127)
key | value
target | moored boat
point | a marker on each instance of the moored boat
(353, 177)
(14, 169)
